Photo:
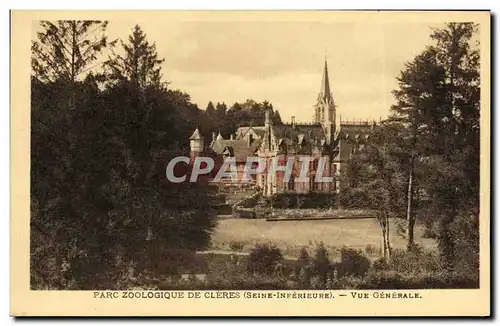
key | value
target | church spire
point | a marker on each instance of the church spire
(324, 92)
(325, 112)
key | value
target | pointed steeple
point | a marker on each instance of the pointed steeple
(219, 136)
(196, 143)
(325, 112)
(325, 92)
(196, 135)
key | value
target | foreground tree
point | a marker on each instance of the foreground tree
(375, 179)
(67, 49)
(101, 211)
(438, 104)
(459, 56)
(420, 98)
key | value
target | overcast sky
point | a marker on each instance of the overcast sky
(282, 61)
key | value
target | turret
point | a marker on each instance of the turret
(196, 143)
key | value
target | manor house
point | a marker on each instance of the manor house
(326, 137)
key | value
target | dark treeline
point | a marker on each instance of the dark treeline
(101, 132)
(220, 118)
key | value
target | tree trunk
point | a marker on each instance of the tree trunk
(387, 237)
(410, 218)
(384, 227)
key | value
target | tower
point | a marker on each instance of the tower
(325, 112)
(196, 143)
(267, 141)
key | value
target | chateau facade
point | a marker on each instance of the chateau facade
(327, 141)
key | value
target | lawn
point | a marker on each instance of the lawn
(291, 236)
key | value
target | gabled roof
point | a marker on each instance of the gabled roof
(242, 131)
(196, 135)
(238, 148)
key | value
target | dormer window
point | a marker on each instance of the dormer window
(250, 139)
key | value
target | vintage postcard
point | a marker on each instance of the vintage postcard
(250, 163)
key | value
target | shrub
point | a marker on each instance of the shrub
(395, 280)
(352, 262)
(264, 258)
(415, 261)
(381, 264)
(354, 198)
(321, 262)
(304, 256)
(465, 234)
(236, 245)
(371, 249)
(295, 200)
(304, 276)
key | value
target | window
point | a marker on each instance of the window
(313, 186)
(291, 183)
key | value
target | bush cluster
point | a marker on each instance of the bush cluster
(266, 269)
(296, 200)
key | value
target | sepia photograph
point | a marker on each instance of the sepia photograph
(229, 152)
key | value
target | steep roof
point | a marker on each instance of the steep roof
(242, 131)
(300, 133)
(355, 130)
(238, 148)
(349, 136)
(196, 135)
(325, 91)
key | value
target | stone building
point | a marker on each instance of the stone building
(326, 140)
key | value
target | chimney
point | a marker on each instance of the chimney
(293, 122)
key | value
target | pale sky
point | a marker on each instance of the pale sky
(282, 61)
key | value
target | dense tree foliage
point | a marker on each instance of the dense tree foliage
(101, 210)
(430, 147)
(226, 121)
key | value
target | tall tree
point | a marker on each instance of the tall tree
(66, 49)
(438, 103)
(210, 108)
(458, 54)
(374, 179)
(419, 100)
(152, 118)
(139, 65)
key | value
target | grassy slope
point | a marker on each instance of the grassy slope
(290, 236)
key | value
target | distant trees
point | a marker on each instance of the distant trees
(248, 113)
